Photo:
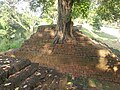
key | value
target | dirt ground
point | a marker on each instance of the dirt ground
(85, 57)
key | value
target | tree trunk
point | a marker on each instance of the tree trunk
(64, 24)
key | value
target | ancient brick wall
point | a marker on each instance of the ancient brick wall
(21, 74)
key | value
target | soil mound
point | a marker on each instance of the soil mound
(84, 57)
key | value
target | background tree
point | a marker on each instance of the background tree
(109, 10)
(15, 26)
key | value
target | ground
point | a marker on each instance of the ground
(19, 74)
(86, 58)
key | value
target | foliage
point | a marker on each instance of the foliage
(19, 26)
(94, 10)
(48, 10)
(43, 4)
(51, 14)
(81, 8)
(109, 9)
(6, 44)
(103, 11)
(96, 23)
(15, 26)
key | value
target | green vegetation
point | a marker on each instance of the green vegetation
(98, 35)
(16, 26)
(6, 45)
(105, 35)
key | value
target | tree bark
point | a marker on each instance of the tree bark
(64, 24)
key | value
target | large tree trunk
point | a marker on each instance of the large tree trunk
(64, 24)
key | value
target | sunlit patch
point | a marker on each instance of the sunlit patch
(37, 73)
(103, 53)
(46, 45)
(46, 71)
(6, 58)
(69, 83)
(7, 84)
(70, 86)
(47, 30)
(4, 67)
(91, 83)
(12, 56)
(6, 62)
(113, 55)
(24, 86)
(102, 64)
(17, 88)
(52, 33)
(50, 75)
(40, 85)
(115, 68)
(40, 35)
(49, 51)
(95, 42)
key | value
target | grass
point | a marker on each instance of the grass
(110, 40)
(7, 45)
(94, 35)
(86, 32)
(105, 35)
(98, 35)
